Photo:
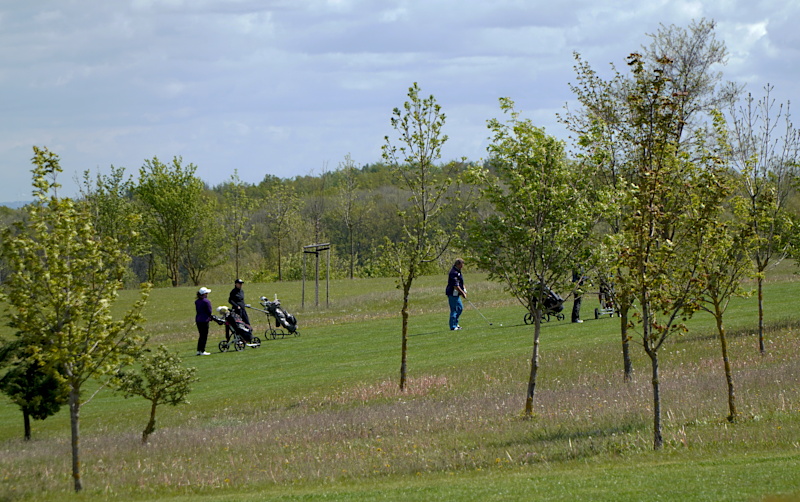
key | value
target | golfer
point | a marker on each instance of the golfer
(236, 299)
(454, 291)
(203, 307)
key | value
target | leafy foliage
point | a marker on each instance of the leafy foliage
(64, 282)
(162, 380)
(545, 210)
(423, 238)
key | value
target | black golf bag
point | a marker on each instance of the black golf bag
(282, 318)
(234, 325)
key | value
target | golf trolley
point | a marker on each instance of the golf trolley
(237, 334)
(606, 301)
(553, 305)
(283, 320)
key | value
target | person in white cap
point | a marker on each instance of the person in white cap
(203, 307)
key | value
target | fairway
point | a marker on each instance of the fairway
(319, 416)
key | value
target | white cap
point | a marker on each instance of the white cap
(203, 291)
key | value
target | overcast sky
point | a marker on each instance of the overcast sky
(289, 87)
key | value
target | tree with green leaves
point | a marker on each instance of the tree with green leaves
(765, 148)
(162, 379)
(109, 198)
(61, 292)
(545, 211)
(351, 207)
(724, 257)
(413, 157)
(670, 206)
(237, 213)
(172, 200)
(688, 62)
(280, 210)
(204, 249)
(38, 393)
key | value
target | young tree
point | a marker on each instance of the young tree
(237, 214)
(63, 285)
(688, 61)
(545, 211)
(162, 380)
(282, 207)
(109, 198)
(423, 240)
(204, 249)
(38, 393)
(670, 207)
(171, 196)
(765, 147)
(351, 206)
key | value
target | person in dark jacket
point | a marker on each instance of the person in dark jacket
(203, 307)
(577, 278)
(454, 291)
(236, 299)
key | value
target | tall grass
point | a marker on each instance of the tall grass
(320, 415)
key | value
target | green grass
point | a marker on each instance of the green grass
(319, 416)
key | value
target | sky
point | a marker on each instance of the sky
(290, 87)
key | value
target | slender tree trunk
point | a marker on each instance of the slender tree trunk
(404, 345)
(537, 327)
(151, 425)
(26, 420)
(352, 253)
(658, 440)
(236, 259)
(74, 417)
(761, 347)
(280, 272)
(723, 341)
(626, 353)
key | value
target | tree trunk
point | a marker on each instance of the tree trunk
(658, 440)
(404, 345)
(761, 347)
(537, 326)
(151, 425)
(26, 420)
(280, 272)
(74, 417)
(352, 251)
(626, 353)
(236, 259)
(723, 341)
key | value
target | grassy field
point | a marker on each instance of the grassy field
(319, 416)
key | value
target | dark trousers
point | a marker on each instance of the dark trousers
(576, 309)
(202, 329)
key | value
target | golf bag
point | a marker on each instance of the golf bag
(282, 318)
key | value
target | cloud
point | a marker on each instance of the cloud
(283, 86)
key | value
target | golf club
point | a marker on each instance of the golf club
(481, 313)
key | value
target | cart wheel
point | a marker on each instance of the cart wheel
(560, 317)
(223, 346)
(273, 334)
(296, 333)
(256, 341)
(528, 318)
(596, 313)
(239, 345)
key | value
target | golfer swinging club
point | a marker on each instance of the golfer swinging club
(454, 291)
